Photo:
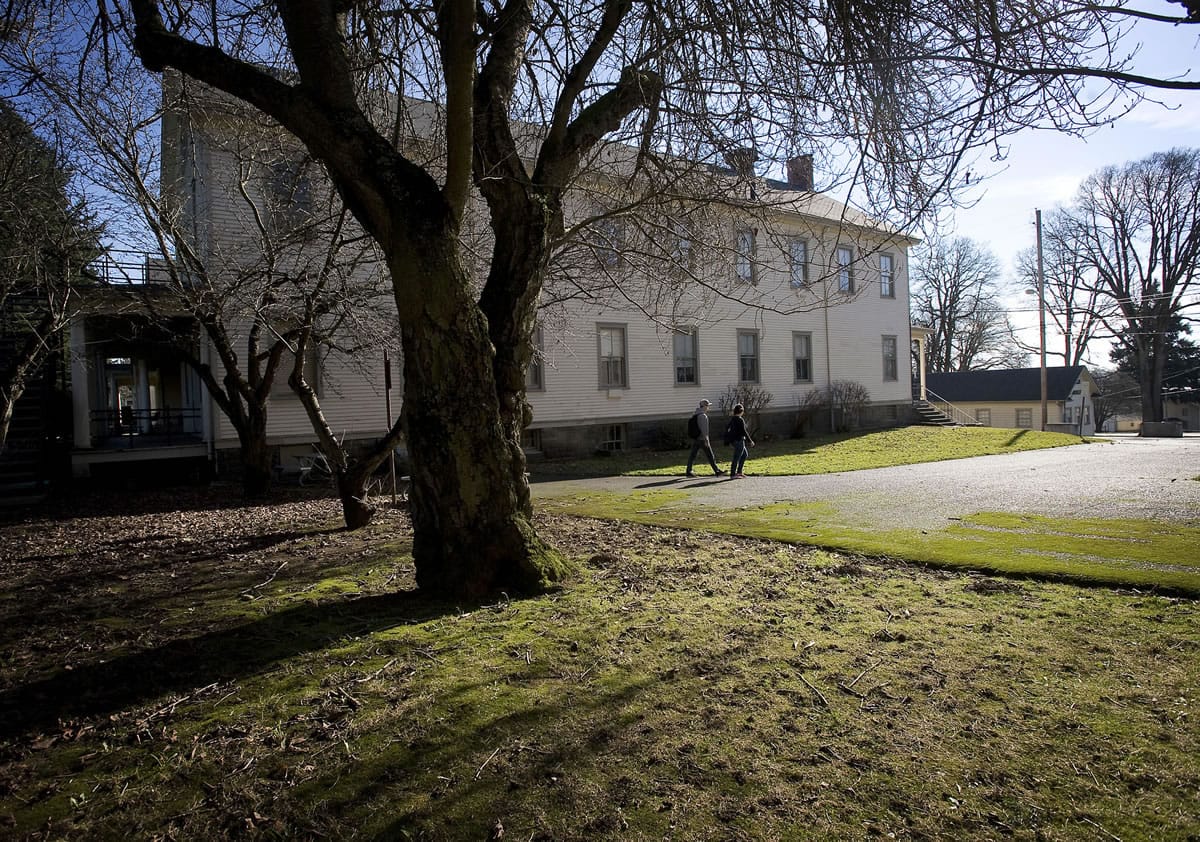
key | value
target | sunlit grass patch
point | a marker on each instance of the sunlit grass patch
(1121, 552)
(830, 453)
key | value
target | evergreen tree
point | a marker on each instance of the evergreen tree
(46, 240)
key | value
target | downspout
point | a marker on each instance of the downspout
(828, 358)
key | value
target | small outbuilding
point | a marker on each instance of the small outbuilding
(1013, 397)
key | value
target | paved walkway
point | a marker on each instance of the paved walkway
(1124, 477)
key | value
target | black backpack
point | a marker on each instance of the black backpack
(693, 428)
(729, 432)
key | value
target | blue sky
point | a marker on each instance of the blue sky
(1044, 168)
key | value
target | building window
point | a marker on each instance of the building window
(984, 417)
(609, 240)
(535, 371)
(684, 343)
(1067, 414)
(845, 269)
(747, 356)
(613, 373)
(887, 276)
(291, 195)
(798, 262)
(889, 358)
(744, 258)
(531, 439)
(613, 438)
(802, 351)
(682, 253)
(1025, 419)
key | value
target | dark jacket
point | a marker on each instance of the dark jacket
(737, 429)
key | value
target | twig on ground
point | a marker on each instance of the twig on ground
(1101, 829)
(268, 580)
(812, 687)
(479, 771)
(375, 674)
(864, 672)
(171, 707)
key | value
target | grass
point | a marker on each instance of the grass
(1115, 552)
(687, 685)
(830, 453)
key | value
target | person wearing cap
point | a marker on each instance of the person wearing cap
(701, 440)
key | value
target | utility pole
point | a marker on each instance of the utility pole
(1041, 312)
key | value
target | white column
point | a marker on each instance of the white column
(141, 385)
(81, 387)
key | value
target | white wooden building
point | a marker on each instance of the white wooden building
(788, 292)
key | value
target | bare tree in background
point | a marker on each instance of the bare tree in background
(1074, 305)
(298, 284)
(894, 98)
(956, 294)
(1137, 229)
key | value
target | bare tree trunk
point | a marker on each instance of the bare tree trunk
(352, 492)
(469, 501)
(8, 399)
(256, 455)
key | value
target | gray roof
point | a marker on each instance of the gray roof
(1010, 384)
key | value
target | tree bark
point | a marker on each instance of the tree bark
(469, 500)
(256, 459)
(352, 492)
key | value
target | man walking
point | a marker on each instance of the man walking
(698, 430)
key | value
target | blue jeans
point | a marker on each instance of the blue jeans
(740, 452)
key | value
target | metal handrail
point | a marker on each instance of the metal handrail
(146, 427)
(957, 415)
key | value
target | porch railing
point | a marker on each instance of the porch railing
(957, 415)
(146, 427)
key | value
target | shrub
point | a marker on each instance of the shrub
(750, 395)
(844, 400)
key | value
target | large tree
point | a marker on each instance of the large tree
(1181, 359)
(956, 294)
(1074, 306)
(47, 238)
(907, 89)
(1137, 228)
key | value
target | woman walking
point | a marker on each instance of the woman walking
(739, 437)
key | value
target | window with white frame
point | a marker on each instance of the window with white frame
(1025, 419)
(613, 370)
(747, 356)
(845, 268)
(613, 437)
(535, 371)
(984, 417)
(745, 253)
(685, 347)
(890, 369)
(798, 262)
(1068, 414)
(802, 352)
(887, 276)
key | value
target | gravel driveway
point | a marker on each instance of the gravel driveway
(1123, 477)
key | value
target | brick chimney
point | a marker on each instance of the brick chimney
(800, 173)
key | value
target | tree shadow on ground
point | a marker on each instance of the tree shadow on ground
(91, 502)
(103, 688)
